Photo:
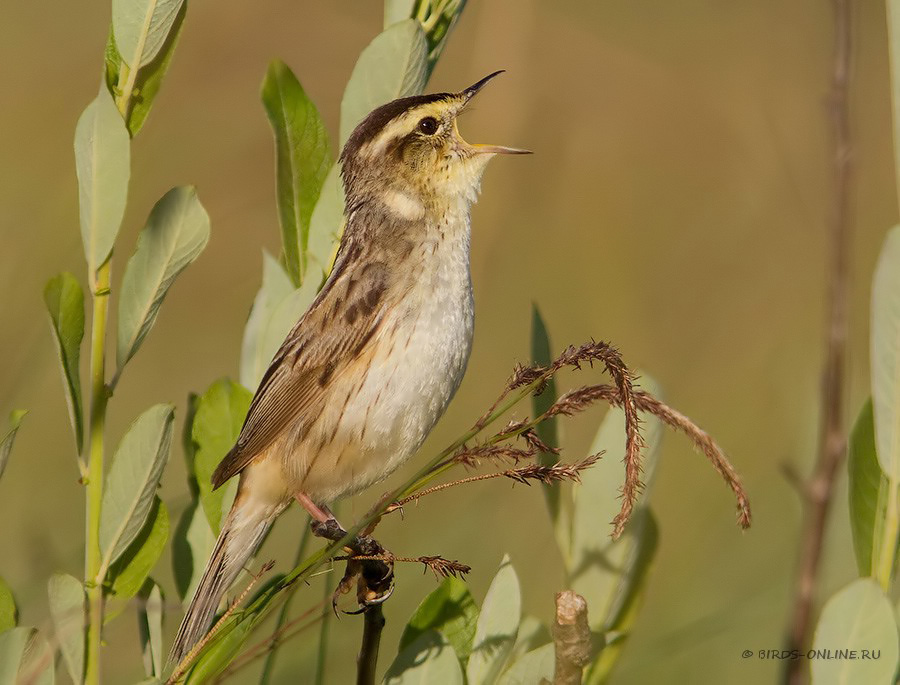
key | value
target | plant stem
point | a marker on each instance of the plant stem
(94, 492)
(368, 651)
(269, 665)
(100, 393)
(832, 438)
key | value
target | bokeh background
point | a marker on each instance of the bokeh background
(676, 205)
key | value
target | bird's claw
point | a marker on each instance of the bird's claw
(374, 578)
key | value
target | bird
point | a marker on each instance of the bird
(369, 368)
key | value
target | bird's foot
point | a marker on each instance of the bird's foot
(373, 575)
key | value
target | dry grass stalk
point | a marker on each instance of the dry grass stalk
(189, 658)
(582, 397)
(441, 567)
(623, 379)
(533, 472)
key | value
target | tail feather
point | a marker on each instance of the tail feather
(243, 531)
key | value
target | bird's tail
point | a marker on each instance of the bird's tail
(244, 529)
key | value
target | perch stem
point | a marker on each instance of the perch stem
(368, 652)
(94, 493)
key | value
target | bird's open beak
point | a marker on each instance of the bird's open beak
(498, 150)
(468, 94)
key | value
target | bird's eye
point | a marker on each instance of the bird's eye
(428, 126)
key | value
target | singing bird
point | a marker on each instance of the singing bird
(366, 372)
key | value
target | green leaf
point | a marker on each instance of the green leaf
(175, 235)
(65, 304)
(868, 489)
(397, 10)
(103, 163)
(498, 625)
(449, 609)
(546, 430)
(885, 363)
(531, 667)
(192, 544)
(392, 66)
(276, 309)
(37, 667)
(133, 478)
(438, 27)
(217, 424)
(8, 613)
(141, 28)
(6, 442)
(303, 158)
(885, 354)
(67, 609)
(127, 575)
(437, 18)
(532, 634)
(859, 617)
(428, 659)
(187, 442)
(600, 569)
(326, 226)
(150, 619)
(622, 612)
(12, 647)
(149, 78)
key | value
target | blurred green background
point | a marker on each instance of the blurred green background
(676, 204)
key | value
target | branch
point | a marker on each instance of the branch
(571, 638)
(368, 652)
(832, 438)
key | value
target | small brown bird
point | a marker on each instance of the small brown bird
(367, 371)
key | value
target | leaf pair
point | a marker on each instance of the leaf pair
(142, 36)
(177, 230)
(448, 640)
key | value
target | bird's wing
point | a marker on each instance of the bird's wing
(335, 331)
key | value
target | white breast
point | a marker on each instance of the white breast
(420, 359)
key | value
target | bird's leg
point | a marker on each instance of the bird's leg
(375, 577)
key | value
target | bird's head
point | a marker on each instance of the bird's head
(409, 154)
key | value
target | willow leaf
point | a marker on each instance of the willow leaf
(149, 78)
(303, 159)
(65, 304)
(858, 617)
(141, 28)
(175, 235)
(497, 628)
(392, 66)
(67, 609)
(102, 163)
(217, 424)
(133, 478)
